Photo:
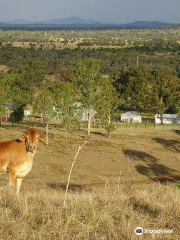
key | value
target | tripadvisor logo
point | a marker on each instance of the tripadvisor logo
(139, 231)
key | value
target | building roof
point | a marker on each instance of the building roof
(9, 106)
(132, 114)
(170, 116)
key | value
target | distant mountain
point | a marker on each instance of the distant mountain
(146, 24)
(18, 21)
(2, 24)
(70, 21)
(76, 22)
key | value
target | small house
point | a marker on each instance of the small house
(131, 117)
(27, 113)
(167, 119)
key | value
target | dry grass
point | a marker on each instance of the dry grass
(113, 189)
(142, 155)
(103, 214)
(3, 69)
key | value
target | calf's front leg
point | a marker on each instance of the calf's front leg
(12, 176)
(19, 182)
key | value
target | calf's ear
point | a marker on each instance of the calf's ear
(22, 138)
(42, 136)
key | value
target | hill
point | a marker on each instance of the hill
(80, 22)
(115, 187)
(146, 24)
(71, 20)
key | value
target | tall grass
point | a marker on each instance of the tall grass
(109, 213)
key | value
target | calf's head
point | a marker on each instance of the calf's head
(31, 138)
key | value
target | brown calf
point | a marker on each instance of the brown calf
(16, 156)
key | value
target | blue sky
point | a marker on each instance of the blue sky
(119, 11)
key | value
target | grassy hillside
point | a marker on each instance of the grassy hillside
(99, 214)
(117, 185)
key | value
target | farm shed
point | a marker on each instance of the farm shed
(167, 118)
(131, 117)
(27, 113)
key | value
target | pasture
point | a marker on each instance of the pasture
(94, 39)
(117, 184)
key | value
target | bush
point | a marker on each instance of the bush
(110, 128)
(177, 184)
(17, 115)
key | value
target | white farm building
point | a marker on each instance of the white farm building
(131, 117)
(167, 118)
(27, 113)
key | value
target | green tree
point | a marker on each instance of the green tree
(19, 90)
(3, 97)
(109, 106)
(65, 98)
(165, 90)
(87, 78)
(17, 115)
(134, 86)
(44, 105)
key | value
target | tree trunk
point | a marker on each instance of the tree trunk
(109, 120)
(47, 132)
(161, 111)
(161, 118)
(66, 133)
(6, 116)
(44, 119)
(89, 124)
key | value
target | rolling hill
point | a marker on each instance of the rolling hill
(76, 21)
(71, 21)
